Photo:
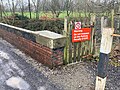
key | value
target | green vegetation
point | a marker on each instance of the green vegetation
(47, 14)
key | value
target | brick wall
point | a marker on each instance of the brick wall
(26, 43)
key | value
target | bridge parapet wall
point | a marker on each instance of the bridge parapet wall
(44, 46)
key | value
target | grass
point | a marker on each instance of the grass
(48, 14)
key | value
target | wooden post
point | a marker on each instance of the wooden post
(100, 83)
(65, 26)
(92, 36)
(65, 33)
(75, 48)
(70, 41)
(117, 35)
(105, 49)
(79, 56)
(102, 23)
(112, 22)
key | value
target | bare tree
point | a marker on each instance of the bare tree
(1, 9)
(29, 6)
(107, 5)
(45, 5)
(55, 7)
(13, 7)
(69, 6)
(21, 5)
(36, 4)
(79, 6)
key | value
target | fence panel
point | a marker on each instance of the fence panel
(75, 52)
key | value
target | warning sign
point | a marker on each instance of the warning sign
(81, 35)
(77, 25)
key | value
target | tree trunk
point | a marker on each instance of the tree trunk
(13, 12)
(29, 9)
(22, 10)
(1, 10)
(68, 13)
(13, 8)
(37, 9)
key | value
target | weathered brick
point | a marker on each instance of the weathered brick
(37, 51)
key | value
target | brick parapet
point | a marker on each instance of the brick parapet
(26, 42)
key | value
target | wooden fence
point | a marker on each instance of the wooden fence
(75, 52)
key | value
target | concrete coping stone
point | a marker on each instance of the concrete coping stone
(20, 29)
(49, 34)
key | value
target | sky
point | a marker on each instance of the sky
(6, 1)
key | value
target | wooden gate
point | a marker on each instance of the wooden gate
(75, 52)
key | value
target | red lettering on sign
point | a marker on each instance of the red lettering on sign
(77, 25)
(81, 35)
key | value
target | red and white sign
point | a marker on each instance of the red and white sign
(77, 25)
(81, 35)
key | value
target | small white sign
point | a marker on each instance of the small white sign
(77, 25)
(106, 41)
